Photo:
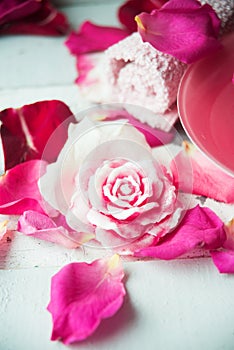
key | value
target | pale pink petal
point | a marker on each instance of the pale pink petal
(3, 228)
(208, 179)
(19, 189)
(229, 229)
(200, 228)
(41, 226)
(82, 295)
(183, 29)
(91, 38)
(224, 260)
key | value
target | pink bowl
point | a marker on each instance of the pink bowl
(206, 105)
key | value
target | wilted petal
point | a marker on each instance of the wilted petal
(26, 130)
(19, 189)
(208, 179)
(184, 29)
(128, 11)
(82, 295)
(91, 38)
(41, 226)
(224, 260)
(200, 228)
(31, 17)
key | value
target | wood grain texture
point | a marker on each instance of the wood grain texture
(183, 304)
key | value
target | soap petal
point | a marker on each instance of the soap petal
(41, 226)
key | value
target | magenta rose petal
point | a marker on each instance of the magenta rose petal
(224, 260)
(33, 17)
(91, 38)
(208, 178)
(26, 130)
(82, 295)
(128, 11)
(185, 29)
(35, 224)
(200, 228)
(19, 189)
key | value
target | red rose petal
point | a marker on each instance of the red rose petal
(11, 10)
(128, 11)
(91, 38)
(200, 228)
(35, 17)
(26, 130)
(41, 226)
(208, 178)
(19, 189)
(82, 295)
(173, 30)
(224, 260)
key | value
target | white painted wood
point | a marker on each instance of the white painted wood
(170, 305)
(184, 304)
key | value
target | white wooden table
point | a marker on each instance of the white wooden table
(184, 304)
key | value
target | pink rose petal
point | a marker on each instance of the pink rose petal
(82, 295)
(31, 17)
(91, 38)
(224, 260)
(208, 179)
(128, 11)
(183, 29)
(26, 130)
(200, 228)
(19, 189)
(41, 226)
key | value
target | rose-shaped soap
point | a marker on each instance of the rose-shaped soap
(106, 182)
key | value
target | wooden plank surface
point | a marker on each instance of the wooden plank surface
(184, 304)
